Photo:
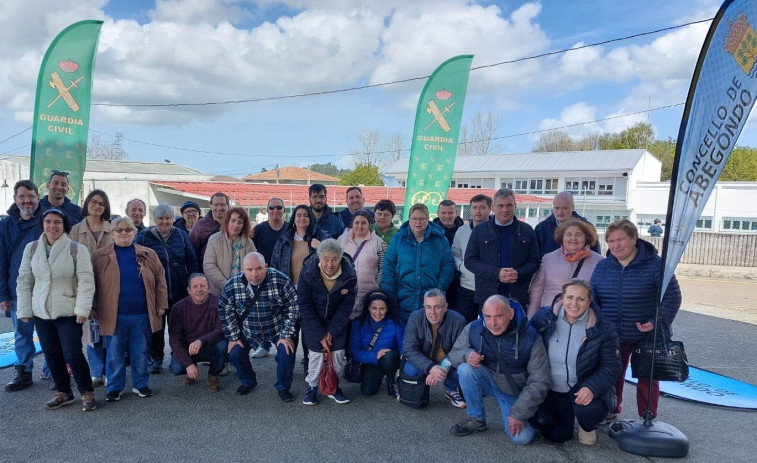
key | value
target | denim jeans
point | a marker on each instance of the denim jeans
(240, 358)
(61, 342)
(131, 334)
(24, 340)
(451, 383)
(96, 358)
(215, 354)
(478, 382)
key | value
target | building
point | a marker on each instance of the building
(607, 185)
(291, 175)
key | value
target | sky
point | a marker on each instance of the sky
(199, 51)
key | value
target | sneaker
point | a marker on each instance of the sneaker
(609, 418)
(188, 381)
(113, 396)
(226, 370)
(59, 399)
(339, 397)
(214, 385)
(311, 396)
(455, 398)
(244, 390)
(21, 380)
(260, 352)
(88, 401)
(468, 426)
(156, 367)
(391, 390)
(143, 392)
(97, 382)
(286, 396)
(587, 437)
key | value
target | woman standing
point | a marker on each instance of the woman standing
(177, 255)
(55, 286)
(625, 288)
(94, 233)
(130, 300)
(227, 248)
(376, 342)
(418, 259)
(302, 238)
(573, 259)
(584, 361)
(367, 252)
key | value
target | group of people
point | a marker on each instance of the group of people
(534, 317)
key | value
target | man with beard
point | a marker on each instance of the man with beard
(325, 218)
(57, 189)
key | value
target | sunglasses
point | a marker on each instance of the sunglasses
(278, 208)
(122, 230)
(59, 172)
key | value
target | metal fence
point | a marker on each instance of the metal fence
(712, 249)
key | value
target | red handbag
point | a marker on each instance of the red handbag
(328, 380)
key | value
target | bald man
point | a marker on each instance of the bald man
(257, 305)
(563, 209)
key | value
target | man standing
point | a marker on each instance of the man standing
(501, 356)
(190, 212)
(266, 234)
(355, 202)
(258, 305)
(429, 337)
(57, 191)
(446, 217)
(562, 209)
(195, 334)
(480, 207)
(325, 218)
(503, 253)
(384, 214)
(22, 226)
(656, 229)
(208, 225)
(135, 210)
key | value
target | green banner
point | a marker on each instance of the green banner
(61, 111)
(437, 126)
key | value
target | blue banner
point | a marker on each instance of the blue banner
(720, 98)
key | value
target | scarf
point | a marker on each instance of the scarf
(575, 256)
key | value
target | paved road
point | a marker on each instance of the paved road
(188, 423)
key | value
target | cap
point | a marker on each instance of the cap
(189, 204)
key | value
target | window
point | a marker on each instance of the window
(546, 212)
(488, 183)
(521, 186)
(571, 184)
(603, 221)
(532, 212)
(520, 212)
(606, 186)
(704, 224)
(588, 187)
(740, 225)
(537, 186)
(463, 183)
(507, 183)
(550, 186)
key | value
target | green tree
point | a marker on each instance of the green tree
(638, 136)
(328, 169)
(741, 165)
(363, 174)
(665, 152)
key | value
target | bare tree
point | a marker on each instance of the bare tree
(476, 137)
(554, 140)
(370, 139)
(394, 146)
(97, 148)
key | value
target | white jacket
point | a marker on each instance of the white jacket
(47, 287)
(462, 236)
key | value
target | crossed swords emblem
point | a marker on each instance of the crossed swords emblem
(64, 91)
(433, 109)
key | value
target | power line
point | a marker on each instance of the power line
(394, 82)
(15, 135)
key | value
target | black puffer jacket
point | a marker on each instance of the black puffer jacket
(598, 361)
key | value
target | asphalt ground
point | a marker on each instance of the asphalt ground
(191, 424)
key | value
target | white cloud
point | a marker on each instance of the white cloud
(196, 11)
(577, 113)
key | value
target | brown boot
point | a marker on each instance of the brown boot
(189, 381)
(214, 384)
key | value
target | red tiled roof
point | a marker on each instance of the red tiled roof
(246, 194)
(289, 173)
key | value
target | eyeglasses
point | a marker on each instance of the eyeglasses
(191, 212)
(95, 202)
(59, 172)
(418, 219)
(318, 196)
(278, 208)
(435, 308)
(122, 230)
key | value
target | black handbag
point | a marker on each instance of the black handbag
(412, 390)
(670, 361)
(353, 370)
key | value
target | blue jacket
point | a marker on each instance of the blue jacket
(346, 216)
(628, 295)
(598, 360)
(523, 353)
(545, 234)
(281, 259)
(176, 254)
(72, 211)
(331, 222)
(411, 268)
(391, 337)
(482, 259)
(323, 311)
(14, 236)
